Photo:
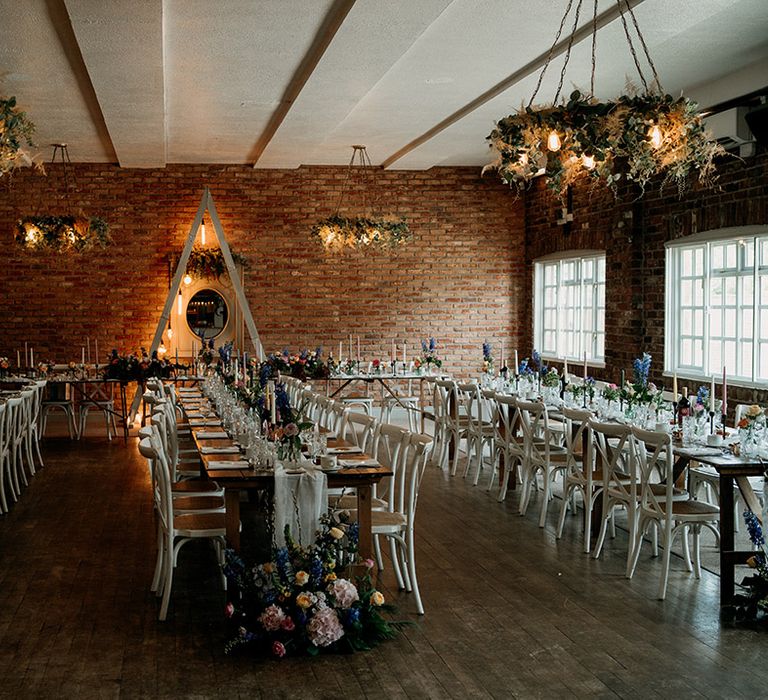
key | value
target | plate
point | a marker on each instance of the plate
(294, 471)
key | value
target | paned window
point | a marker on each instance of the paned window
(569, 307)
(717, 308)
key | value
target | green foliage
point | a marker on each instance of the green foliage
(15, 132)
(62, 234)
(209, 263)
(337, 232)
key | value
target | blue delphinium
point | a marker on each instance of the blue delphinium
(225, 352)
(702, 396)
(641, 367)
(536, 362)
(319, 351)
(424, 347)
(754, 529)
(282, 401)
(487, 351)
(432, 345)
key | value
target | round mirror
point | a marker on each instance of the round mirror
(207, 313)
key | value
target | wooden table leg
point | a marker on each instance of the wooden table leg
(727, 562)
(365, 541)
(232, 517)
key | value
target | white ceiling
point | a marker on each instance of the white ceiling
(280, 83)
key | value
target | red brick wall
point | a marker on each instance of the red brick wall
(633, 232)
(461, 279)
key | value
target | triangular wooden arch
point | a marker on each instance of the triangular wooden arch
(206, 204)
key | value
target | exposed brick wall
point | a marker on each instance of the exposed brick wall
(461, 279)
(633, 231)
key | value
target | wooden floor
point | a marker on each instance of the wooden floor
(511, 611)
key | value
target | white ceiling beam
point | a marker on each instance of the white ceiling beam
(122, 48)
(584, 32)
(333, 20)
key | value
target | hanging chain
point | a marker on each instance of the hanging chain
(645, 47)
(568, 51)
(62, 150)
(631, 44)
(359, 154)
(551, 52)
(594, 47)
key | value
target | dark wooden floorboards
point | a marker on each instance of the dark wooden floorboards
(511, 611)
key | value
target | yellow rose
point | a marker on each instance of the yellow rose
(336, 533)
(304, 600)
(754, 410)
(301, 578)
(752, 563)
(377, 598)
(268, 568)
(330, 577)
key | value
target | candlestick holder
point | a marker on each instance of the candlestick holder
(723, 419)
(711, 422)
(393, 363)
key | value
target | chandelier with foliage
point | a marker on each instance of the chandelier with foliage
(367, 230)
(16, 131)
(635, 136)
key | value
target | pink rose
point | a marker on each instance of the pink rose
(369, 563)
(278, 649)
(291, 430)
(229, 610)
(288, 624)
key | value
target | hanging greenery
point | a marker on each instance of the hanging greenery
(62, 234)
(638, 137)
(15, 132)
(337, 232)
(209, 263)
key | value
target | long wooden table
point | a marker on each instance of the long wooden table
(235, 481)
(731, 470)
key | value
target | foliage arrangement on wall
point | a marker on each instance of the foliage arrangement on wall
(62, 234)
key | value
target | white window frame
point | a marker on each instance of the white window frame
(585, 290)
(673, 362)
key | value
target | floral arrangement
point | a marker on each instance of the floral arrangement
(753, 415)
(640, 391)
(303, 365)
(206, 354)
(338, 233)
(16, 131)
(611, 392)
(575, 390)
(589, 388)
(4, 366)
(209, 263)
(62, 234)
(487, 366)
(429, 354)
(637, 136)
(749, 606)
(134, 366)
(551, 378)
(44, 368)
(300, 603)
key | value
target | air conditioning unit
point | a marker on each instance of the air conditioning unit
(730, 127)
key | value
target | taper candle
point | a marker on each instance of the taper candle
(82, 361)
(725, 394)
(674, 387)
(517, 364)
(585, 366)
(712, 395)
(18, 358)
(358, 348)
(501, 359)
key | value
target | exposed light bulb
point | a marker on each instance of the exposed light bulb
(161, 350)
(202, 233)
(170, 333)
(180, 302)
(655, 136)
(523, 159)
(588, 161)
(187, 280)
(553, 142)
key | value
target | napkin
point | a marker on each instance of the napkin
(344, 450)
(231, 450)
(205, 423)
(358, 463)
(239, 464)
(210, 435)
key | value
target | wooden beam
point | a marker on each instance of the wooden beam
(536, 64)
(323, 39)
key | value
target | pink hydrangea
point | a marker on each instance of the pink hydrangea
(272, 618)
(324, 628)
(344, 592)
